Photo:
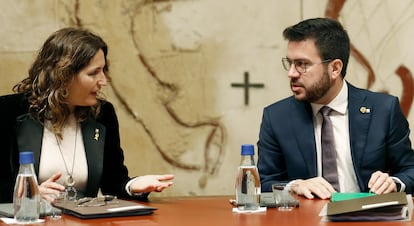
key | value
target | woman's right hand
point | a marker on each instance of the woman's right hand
(50, 186)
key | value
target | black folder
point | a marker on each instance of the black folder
(115, 208)
(385, 207)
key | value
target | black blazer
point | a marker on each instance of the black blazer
(20, 132)
(379, 140)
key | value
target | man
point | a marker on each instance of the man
(371, 135)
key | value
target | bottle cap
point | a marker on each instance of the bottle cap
(247, 149)
(26, 157)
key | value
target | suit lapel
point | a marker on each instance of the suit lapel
(94, 140)
(359, 120)
(305, 136)
(29, 137)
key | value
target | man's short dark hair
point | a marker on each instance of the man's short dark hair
(330, 37)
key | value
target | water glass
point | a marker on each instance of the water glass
(47, 208)
(284, 197)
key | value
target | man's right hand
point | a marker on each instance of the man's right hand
(312, 187)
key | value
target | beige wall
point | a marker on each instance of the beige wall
(173, 63)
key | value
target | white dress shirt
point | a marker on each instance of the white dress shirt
(339, 117)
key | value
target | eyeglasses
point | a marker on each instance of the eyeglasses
(300, 65)
(97, 201)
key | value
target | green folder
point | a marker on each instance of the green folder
(340, 196)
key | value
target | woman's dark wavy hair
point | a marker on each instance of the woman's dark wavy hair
(63, 55)
(331, 39)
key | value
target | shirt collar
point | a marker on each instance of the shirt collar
(338, 104)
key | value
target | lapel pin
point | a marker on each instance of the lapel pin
(365, 110)
(96, 137)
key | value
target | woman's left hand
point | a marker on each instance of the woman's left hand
(149, 183)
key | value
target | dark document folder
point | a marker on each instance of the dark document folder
(386, 207)
(115, 208)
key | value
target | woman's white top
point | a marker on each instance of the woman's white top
(53, 161)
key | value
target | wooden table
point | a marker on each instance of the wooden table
(214, 211)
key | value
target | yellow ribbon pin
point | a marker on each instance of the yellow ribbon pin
(96, 137)
(364, 110)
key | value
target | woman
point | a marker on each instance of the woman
(58, 114)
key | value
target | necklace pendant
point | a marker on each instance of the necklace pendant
(71, 193)
(70, 181)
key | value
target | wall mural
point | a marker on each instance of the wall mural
(191, 77)
(214, 137)
(333, 10)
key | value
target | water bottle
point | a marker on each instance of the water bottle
(26, 197)
(248, 182)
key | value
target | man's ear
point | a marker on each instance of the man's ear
(336, 68)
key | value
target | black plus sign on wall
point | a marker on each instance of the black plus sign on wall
(247, 85)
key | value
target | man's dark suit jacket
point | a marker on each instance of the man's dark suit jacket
(19, 132)
(379, 140)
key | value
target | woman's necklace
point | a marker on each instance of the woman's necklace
(70, 191)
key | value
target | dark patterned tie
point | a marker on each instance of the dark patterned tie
(329, 169)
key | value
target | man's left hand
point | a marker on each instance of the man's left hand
(381, 183)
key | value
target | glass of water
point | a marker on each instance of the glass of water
(284, 198)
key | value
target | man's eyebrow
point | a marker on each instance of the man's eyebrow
(298, 59)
